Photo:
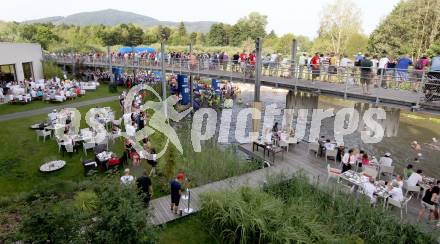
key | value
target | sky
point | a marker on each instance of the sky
(300, 17)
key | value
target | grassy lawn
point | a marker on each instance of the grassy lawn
(21, 155)
(189, 230)
(101, 91)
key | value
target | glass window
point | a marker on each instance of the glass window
(27, 71)
(7, 73)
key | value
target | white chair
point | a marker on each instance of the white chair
(411, 189)
(331, 153)
(43, 133)
(383, 169)
(88, 145)
(2, 96)
(314, 147)
(333, 173)
(399, 204)
(370, 171)
(69, 147)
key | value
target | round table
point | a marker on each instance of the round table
(52, 166)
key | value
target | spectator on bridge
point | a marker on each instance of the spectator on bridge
(366, 72)
(381, 71)
(301, 64)
(419, 71)
(315, 63)
(402, 69)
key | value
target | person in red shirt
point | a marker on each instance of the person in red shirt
(114, 160)
(252, 59)
(243, 57)
(315, 66)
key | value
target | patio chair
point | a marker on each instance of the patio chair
(314, 147)
(331, 153)
(386, 170)
(43, 133)
(370, 171)
(332, 173)
(69, 148)
(399, 204)
(88, 145)
(411, 190)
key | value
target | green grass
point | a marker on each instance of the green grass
(190, 230)
(21, 155)
(101, 91)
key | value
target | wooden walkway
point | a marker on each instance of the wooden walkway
(297, 159)
(402, 98)
(293, 161)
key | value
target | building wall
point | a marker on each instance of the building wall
(18, 53)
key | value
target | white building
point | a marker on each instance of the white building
(19, 61)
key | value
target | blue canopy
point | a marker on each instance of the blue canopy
(124, 50)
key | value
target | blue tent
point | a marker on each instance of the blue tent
(124, 50)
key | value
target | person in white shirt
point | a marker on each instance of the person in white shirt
(328, 145)
(127, 179)
(130, 129)
(53, 116)
(386, 160)
(370, 190)
(395, 191)
(415, 178)
(381, 71)
(399, 181)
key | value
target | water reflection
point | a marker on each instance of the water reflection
(401, 127)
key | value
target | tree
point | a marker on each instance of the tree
(411, 28)
(193, 38)
(217, 35)
(339, 21)
(51, 70)
(201, 38)
(131, 35)
(109, 38)
(181, 30)
(251, 26)
(39, 33)
(284, 44)
(163, 33)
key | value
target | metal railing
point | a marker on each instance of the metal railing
(421, 82)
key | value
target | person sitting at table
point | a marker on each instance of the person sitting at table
(370, 190)
(365, 160)
(429, 201)
(408, 171)
(415, 178)
(275, 128)
(399, 181)
(348, 160)
(114, 160)
(328, 145)
(386, 160)
(39, 92)
(395, 191)
(130, 129)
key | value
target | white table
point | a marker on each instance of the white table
(52, 166)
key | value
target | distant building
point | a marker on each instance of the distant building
(19, 61)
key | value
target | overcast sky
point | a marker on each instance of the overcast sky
(300, 17)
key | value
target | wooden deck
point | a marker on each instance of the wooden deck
(297, 159)
(402, 98)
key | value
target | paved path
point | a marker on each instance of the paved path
(47, 110)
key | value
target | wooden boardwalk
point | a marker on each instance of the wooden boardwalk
(394, 97)
(295, 160)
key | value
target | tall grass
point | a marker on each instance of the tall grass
(297, 211)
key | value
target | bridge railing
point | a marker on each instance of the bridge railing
(421, 82)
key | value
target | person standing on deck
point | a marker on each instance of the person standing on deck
(315, 63)
(366, 71)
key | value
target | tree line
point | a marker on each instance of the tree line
(413, 27)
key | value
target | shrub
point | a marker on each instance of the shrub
(51, 70)
(287, 211)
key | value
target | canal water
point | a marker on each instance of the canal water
(401, 126)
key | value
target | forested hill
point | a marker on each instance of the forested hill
(413, 27)
(112, 17)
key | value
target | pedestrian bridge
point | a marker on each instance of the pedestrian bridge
(280, 77)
